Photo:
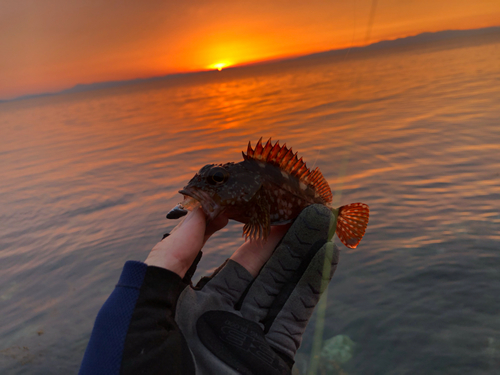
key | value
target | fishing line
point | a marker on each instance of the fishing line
(317, 345)
(345, 57)
(353, 32)
(370, 20)
(322, 305)
(315, 160)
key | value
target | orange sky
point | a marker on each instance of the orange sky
(54, 44)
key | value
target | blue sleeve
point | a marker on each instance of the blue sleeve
(105, 348)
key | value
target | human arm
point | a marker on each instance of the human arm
(139, 314)
(174, 328)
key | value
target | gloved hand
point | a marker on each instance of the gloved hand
(235, 324)
(247, 318)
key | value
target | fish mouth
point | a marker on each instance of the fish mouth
(210, 207)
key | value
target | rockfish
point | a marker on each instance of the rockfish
(271, 186)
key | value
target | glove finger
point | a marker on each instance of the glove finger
(279, 276)
(285, 334)
(229, 283)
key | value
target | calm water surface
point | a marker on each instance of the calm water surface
(88, 178)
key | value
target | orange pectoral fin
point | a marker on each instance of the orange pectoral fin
(351, 223)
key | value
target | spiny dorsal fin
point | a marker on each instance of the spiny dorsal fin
(287, 161)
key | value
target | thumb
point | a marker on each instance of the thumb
(178, 251)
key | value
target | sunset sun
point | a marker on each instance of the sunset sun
(219, 66)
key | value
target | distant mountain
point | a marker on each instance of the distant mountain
(104, 85)
(81, 87)
(434, 37)
(409, 41)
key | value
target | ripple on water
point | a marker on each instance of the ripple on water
(414, 134)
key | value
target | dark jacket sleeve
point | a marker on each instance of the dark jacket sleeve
(135, 331)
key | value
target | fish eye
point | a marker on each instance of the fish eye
(217, 176)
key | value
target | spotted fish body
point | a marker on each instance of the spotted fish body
(271, 186)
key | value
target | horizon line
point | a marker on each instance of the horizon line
(385, 43)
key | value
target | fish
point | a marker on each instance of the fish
(271, 186)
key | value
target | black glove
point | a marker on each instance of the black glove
(231, 323)
(236, 325)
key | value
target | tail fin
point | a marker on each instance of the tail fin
(351, 223)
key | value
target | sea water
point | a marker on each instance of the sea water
(87, 178)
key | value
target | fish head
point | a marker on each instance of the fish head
(219, 186)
